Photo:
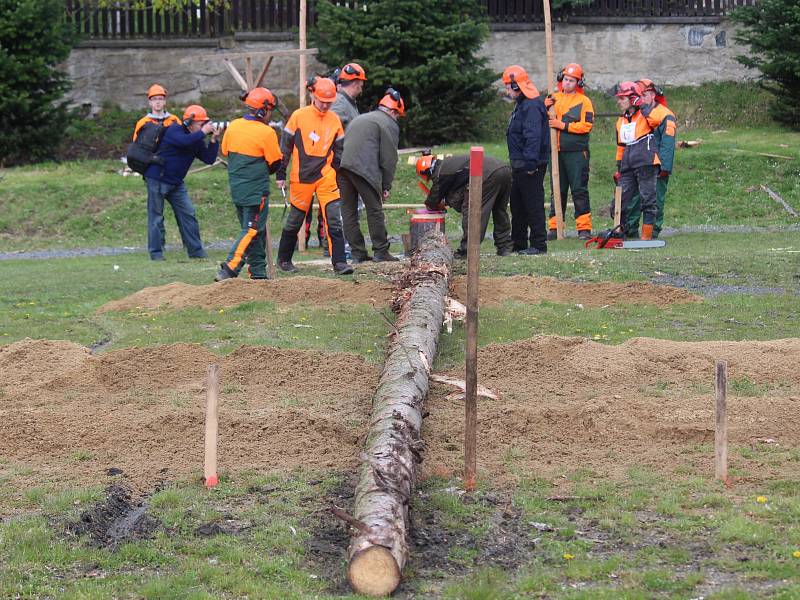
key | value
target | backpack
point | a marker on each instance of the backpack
(142, 152)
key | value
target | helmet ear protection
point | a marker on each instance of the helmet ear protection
(514, 85)
(560, 77)
(311, 83)
(188, 120)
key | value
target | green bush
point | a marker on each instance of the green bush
(34, 38)
(772, 30)
(427, 50)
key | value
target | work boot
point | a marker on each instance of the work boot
(647, 232)
(384, 257)
(287, 266)
(504, 252)
(343, 268)
(533, 251)
(552, 234)
(357, 260)
(460, 253)
(584, 234)
(225, 272)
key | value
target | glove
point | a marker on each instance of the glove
(617, 176)
(549, 101)
(663, 174)
(557, 124)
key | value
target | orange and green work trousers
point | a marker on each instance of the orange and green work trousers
(250, 246)
(573, 174)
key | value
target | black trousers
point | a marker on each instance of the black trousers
(333, 224)
(494, 203)
(527, 209)
(643, 181)
(351, 186)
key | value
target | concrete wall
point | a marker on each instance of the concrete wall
(672, 54)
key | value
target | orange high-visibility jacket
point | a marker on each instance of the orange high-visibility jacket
(313, 141)
(636, 146)
(577, 113)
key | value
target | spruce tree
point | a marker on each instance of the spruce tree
(427, 50)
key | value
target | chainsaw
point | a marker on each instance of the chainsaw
(615, 238)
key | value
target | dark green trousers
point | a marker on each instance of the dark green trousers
(635, 208)
(573, 174)
(250, 247)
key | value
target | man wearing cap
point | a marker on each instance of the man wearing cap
(157, 100)
(180, 145)
(574, 119)
(528, 138)
(449, 178)
(664, 124)
(637, 156)
(368, 166)
(251, 146)
(349, 86)
(312, 140)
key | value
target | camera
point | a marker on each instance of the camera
(220, 124)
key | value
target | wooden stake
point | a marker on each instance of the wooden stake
(551, 86)
(471, 344)
(617, 205)
(264, 72)
(248, 71)
(302, 84)
(721, 434)
(273, 274)
(212, 399)
(235, 74)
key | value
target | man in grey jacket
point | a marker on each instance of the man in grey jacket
(368, 164)
(349, 85)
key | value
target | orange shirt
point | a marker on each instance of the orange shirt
(313, 140)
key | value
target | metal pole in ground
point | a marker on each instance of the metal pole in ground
(721, 432)
(551, 86)
(471, 344)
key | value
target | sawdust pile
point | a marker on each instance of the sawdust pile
(70, 416)
(493, 291)
(568, 403)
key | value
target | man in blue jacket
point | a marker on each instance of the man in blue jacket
(528, 138)
(180, 145)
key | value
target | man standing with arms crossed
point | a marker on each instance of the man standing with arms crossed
(251, 146)
(313, 140)
(573, 121)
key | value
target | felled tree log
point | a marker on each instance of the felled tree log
(379, 547)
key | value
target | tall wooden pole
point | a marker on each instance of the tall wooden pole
(551, 86)
(302, 84)
(721, 433)
(471, 344)
(212, 399)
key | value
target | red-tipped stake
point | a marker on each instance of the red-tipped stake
(212, 426)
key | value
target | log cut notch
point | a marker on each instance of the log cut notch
(379, 547)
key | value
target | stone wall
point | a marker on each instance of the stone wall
(672, 54)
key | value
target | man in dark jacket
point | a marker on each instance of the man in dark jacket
(368, 165)
(180, 145)
(449, 179)
(528, 138)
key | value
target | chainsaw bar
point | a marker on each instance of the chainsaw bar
(633, 244)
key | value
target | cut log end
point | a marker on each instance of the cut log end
(374, 572)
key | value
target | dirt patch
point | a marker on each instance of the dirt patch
(569, 403)
(523, 288)
(67, 416)
(115, 520)
(289, 290)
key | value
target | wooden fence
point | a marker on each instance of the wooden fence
(127, 19)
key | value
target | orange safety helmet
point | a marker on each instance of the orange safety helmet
(631, 90)
(260, 98)
(156, 90)
(194, 112)
(425, 166)
(648, 86)
(518, 79)
(393, 100)
(322, 88)
(351, 72)
(575, 71)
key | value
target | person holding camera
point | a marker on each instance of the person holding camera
(312, 140)
(251, 146)
(180, 145)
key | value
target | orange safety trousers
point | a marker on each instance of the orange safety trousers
(301, 196)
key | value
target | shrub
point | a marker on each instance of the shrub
(34, 38)
(426, 50)
(772, 30)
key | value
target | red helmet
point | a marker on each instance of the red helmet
(394, 101)
(517, 77)
(351, 72)
(260, 98)
(649, 86)
(633, 91)
(322, 88)
(156, 90)
(195, 112)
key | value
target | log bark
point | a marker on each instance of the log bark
(379, 550)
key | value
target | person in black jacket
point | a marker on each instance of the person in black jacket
(528, 138)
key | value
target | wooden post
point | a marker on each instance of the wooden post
(212, 399)
(721, 433)
(263, 72)
(551, 86)
(617, 205)
(471, 344)
(271, 271)
(302, 84)
(248, 72)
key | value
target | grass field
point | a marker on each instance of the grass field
(568, 531)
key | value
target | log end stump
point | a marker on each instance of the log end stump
(374, 572)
